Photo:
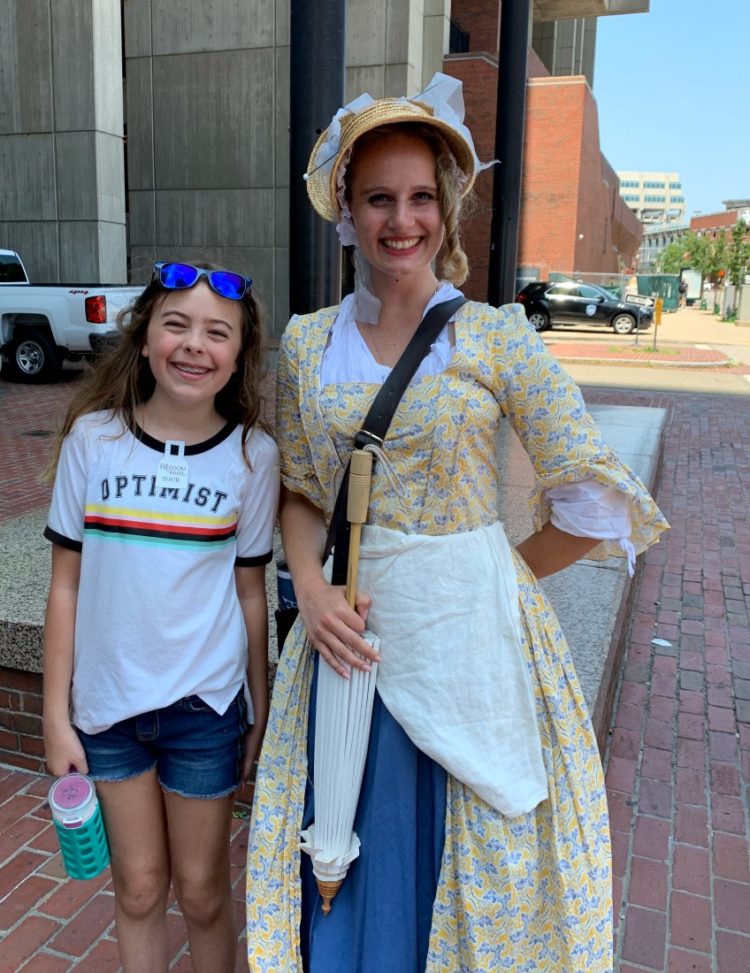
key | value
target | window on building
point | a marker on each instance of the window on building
(653, 185)
(675, 185)
(458, 39)
(655, 199)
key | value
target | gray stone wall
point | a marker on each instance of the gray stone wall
(207, 141)
(62, 179)
(208, 119)
(395, 47)
(206, 113)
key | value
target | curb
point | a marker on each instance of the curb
(653, 362)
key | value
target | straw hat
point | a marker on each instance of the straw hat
(365, 114)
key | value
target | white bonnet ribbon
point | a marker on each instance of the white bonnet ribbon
(366, 305)
(345, 226)
(445, 97)
(329, 150)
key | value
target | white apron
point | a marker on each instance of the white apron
(452, 673)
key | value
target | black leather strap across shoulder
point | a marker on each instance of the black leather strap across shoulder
(378, 419)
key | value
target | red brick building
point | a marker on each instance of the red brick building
(717, 224)
(572, 215)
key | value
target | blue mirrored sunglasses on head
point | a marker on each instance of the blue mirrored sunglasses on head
(177, 277)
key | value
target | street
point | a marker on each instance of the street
(686, 328)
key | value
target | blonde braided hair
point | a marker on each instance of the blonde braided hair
(455, 263)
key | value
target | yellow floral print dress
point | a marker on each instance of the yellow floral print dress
(527, 893)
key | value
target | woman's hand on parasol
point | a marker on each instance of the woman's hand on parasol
(335, 629)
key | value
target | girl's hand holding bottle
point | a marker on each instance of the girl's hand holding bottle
(63, 749)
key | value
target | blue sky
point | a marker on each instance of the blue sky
(673, 91)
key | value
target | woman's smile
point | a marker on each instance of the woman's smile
(401, 244)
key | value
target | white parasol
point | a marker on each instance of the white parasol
(343, 713)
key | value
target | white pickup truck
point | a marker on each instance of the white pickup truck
(43, 324)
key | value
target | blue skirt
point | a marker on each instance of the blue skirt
(381, 917)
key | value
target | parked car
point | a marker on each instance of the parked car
(43, 324)
(570, 302)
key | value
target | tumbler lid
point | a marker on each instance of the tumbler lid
(72, 798)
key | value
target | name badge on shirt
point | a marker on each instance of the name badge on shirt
(172, 471)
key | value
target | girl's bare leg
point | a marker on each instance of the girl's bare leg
(199, 833)
(136, 829)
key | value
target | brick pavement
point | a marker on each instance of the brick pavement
(30, 417)
(695, 356)
(678, 771)
(52, 924)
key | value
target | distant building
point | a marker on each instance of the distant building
(656, 237)
(715, 224)
(203, 171)
(572, 216)
(654, 197)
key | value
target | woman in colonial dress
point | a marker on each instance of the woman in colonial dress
(482, 815)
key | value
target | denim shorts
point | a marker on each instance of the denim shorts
(196, 752)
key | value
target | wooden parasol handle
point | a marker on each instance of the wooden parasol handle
(328, 892)
(358, 501)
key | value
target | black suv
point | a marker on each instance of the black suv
(568, 302)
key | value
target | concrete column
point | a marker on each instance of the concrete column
(395, 47)
(207, 120)
(62, 199)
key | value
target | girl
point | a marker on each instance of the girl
(482, 815)
(161, 522)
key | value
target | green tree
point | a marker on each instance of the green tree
(671, 260)
(700, 253)
(738, 259)
(738, 253)
(690, 250)
(717, 259)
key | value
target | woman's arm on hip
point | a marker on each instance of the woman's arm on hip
(550, 550)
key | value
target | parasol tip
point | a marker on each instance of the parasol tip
(328, 892)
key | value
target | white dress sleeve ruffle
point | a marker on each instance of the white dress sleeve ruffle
(592, 509)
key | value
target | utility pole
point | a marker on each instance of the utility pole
(317, 65)
(515, 24)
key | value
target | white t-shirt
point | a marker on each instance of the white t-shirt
(158, 616)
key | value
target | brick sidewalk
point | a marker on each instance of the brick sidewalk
(678, 773)
(51, 924)
(665, 355)
(678, 765)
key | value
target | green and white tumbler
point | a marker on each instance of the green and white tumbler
(80, 828)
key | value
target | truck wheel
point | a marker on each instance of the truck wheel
(623, 324)
(34, 357)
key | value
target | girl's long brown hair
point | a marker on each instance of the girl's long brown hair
(121, 379)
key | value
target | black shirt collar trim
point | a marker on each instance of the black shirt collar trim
(193, 450)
